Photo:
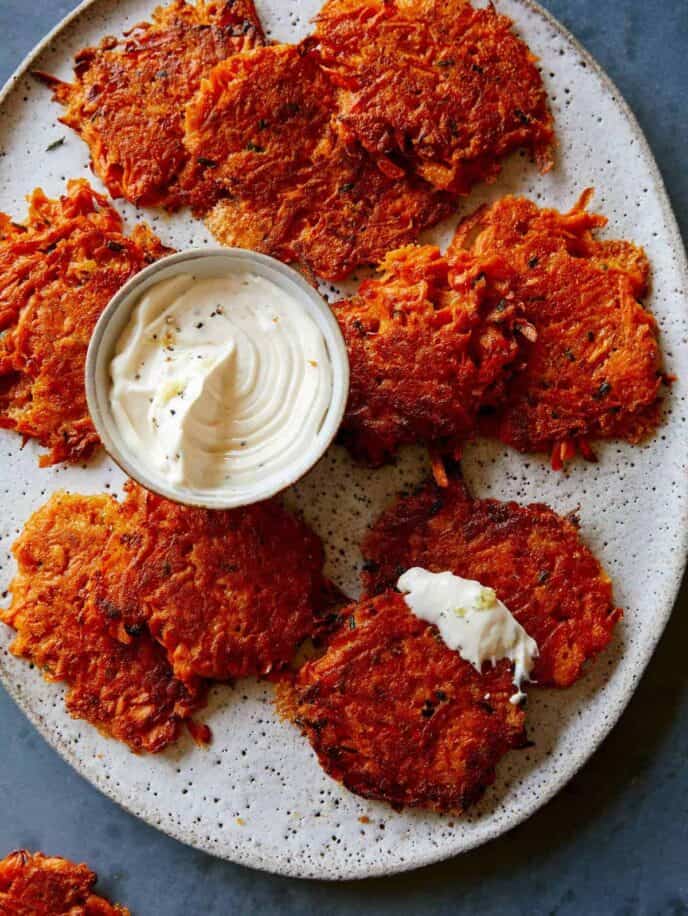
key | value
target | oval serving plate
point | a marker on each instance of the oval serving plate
(257, 795)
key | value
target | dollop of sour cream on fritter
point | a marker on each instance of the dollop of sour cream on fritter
(471, 620)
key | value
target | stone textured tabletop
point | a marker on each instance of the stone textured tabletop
(615, 841)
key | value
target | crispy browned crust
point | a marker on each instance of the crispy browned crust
(397, 716)
(534, 559)
(222, 594)
(428, 345)
(127, 100)
(257, 120)
(449, 88)
(32, 884)
(128, 690)
(261, 129)
(228, 594)
(595, 369)
(57, 274)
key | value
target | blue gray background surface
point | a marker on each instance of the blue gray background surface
(615, 841)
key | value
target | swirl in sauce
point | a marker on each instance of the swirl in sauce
(219, 382)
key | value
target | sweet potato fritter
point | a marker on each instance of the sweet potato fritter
(227, 593)
(128, 98)
(397, 716)
(428, 345)
(534, 560)
(38, 885)
(261, 129)
(595, 369)
(128, 690)
(438, 83)
(57, 274)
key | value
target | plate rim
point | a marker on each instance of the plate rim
(246, 856)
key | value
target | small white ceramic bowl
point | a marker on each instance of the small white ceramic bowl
(210, 262)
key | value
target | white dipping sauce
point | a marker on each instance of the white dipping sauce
(220, 382)
(471, 620)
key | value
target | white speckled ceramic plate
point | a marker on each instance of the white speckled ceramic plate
(257, 796)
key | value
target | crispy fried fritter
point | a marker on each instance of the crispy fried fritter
(261, 128)
(448, 87)
(38, 885)
(428, 345)
(127, 691)
(534, 559)
(24, 249)
(57, 274)
(397, 716)
(344, 215)
(128, 98)
(227, 593)
(258, 119)
(595, 369)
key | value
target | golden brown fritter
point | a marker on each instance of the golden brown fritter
(258, 119)
(595, 369)
(449, 88)
(227, 593)
(261, 129)
(534, 560)
(397, 716)
(32, 884)
(57, 274)
(127, 100)
(128, 690)
(428, 343)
